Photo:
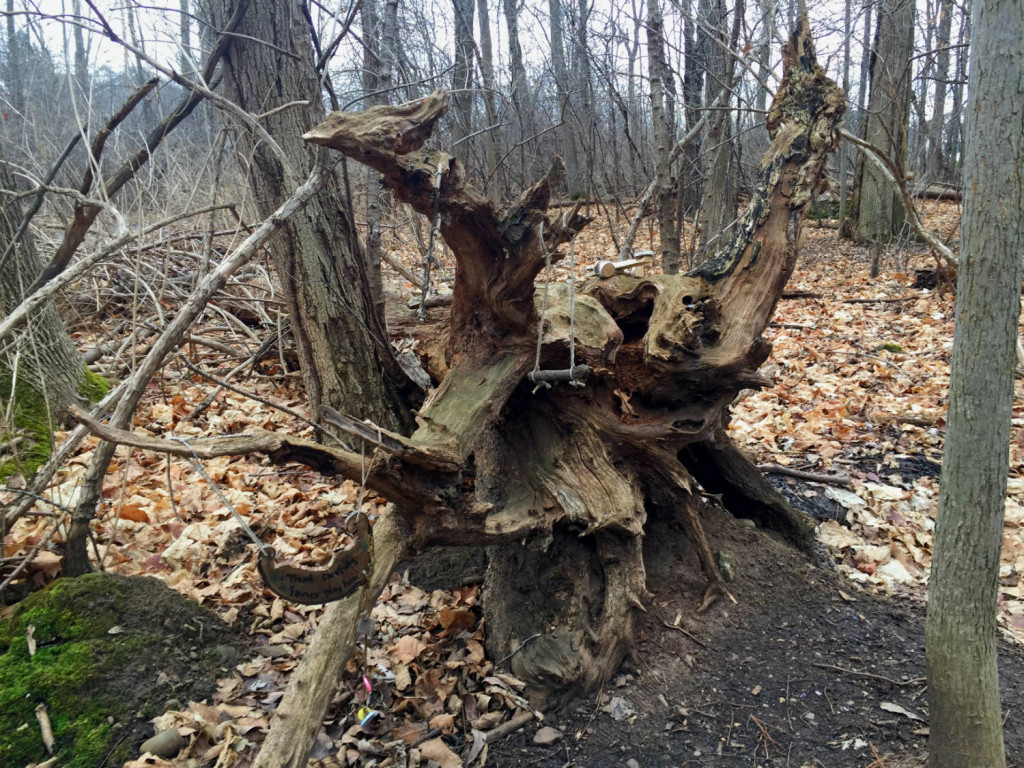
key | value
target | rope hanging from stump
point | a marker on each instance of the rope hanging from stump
(574, 374)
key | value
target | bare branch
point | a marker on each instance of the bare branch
(893, 176)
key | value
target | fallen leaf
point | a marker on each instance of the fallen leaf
(437, 750)
(407, 649)
(134, 513)
(888, 706)
(456, 620)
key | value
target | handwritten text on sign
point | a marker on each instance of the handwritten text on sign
(346, 572)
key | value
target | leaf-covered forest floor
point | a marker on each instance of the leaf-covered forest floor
(812, 666)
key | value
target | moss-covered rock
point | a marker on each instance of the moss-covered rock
(110, 651)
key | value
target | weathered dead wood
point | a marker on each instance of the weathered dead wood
(563, 479)
(501, 253)
(312, 684)
(722, 468)
(940, 192)
(799, 474)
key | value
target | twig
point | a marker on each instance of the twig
(881, 301)
(869, 675)
(879, 761)
(765, 732)
(508, 727)
(690, 635)
(517, 650)
(814, 477)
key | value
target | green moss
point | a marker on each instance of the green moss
(30, 418)
(74, 652)
(93, 387)
(889, 347)
(824, 209)
(108, 650)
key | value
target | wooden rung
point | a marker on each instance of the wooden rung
(606, 269)
(578, 373)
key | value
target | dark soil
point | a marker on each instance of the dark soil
(794, 674)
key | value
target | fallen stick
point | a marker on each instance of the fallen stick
(799, 474)
(508, 727)
(690, 635)
(802, 295)
(869, 675)
(881, 301)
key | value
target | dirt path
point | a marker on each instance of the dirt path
(805, 670)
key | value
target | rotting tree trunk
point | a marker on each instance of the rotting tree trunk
(678, 347)
(662, 357)
(666, 355)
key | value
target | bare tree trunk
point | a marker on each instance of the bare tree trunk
(691, 174)
(936, 159)
(462, 78)
(876, 211)
(965, 717)
(954, 139)
(522, 101)
(662, 118)
(80, 53)
(14, 64)
(342, 343)
(377, 66)
(185, 56)
(714, 199)
(584, 94)
(490, 110)
(566, 140)
(42, 370)
(764, 50)
(917, 150)
(844, 150)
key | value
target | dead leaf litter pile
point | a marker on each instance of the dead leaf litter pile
(861, 372)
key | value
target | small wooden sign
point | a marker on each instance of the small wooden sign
(347, 571)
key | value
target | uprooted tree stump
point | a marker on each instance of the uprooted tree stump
(564, 478)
